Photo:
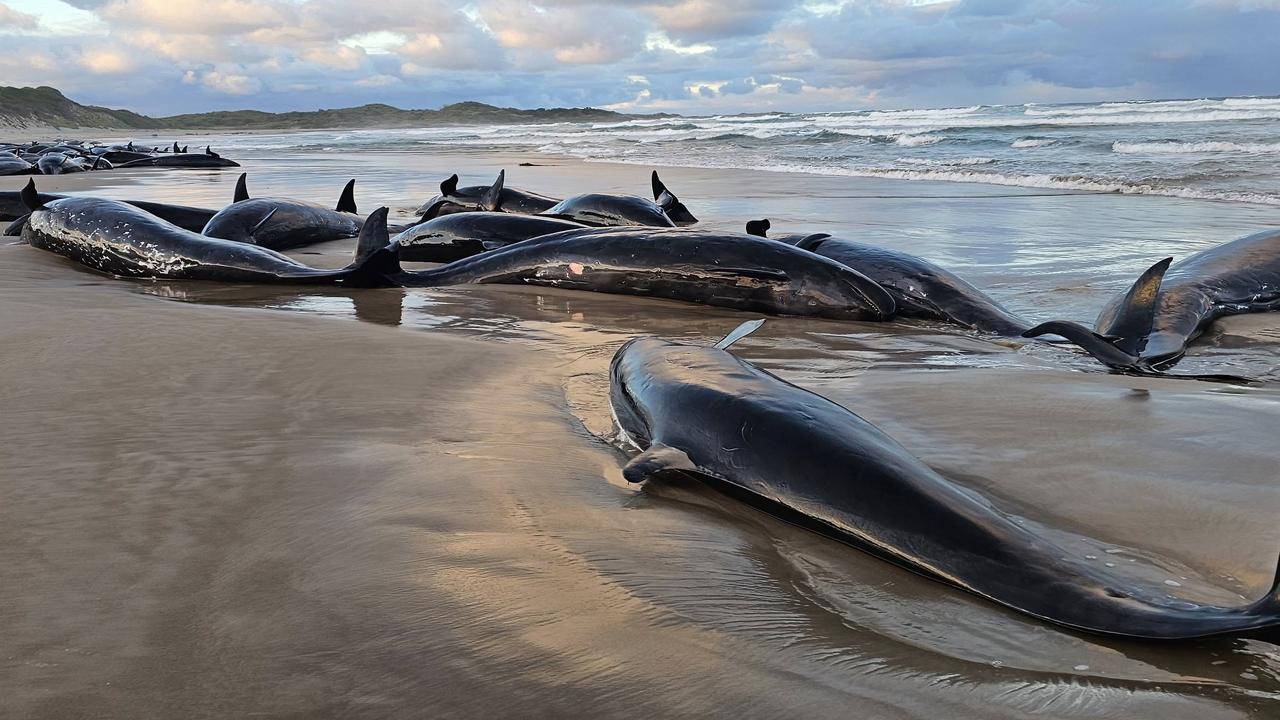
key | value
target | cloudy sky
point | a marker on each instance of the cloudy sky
(170, 56)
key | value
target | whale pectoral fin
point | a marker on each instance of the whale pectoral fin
(759, 228)
(242, 188)
(1103, 348)
(492, 198)
(738, 333)
(254, 230)
(657, 459)
(347, 200)
(1132, 323)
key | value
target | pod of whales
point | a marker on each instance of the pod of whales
(595, 209)
(119, 239)
(69, 156)
(1148, 328)
(706, 413)
(206, 159)
(920, 288)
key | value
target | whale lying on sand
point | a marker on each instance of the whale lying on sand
(703, 412)
(701, 266)
(920, 288)
(282, 224)
(1148, 328)
(119, 239)
(451, 237)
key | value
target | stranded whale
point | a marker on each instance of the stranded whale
(281, 224)
(920, 288)
(721, 269)
(494, 198)
(1148, 328)
(458, 235)
(706, 413)
(119, 239)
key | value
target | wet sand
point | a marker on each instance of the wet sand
(230, 501)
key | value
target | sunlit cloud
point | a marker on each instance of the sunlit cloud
(169, 56)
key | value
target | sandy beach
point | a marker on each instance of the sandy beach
(242, 501)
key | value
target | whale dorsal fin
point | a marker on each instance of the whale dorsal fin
(657, 459)
(759, 228)
(492, 198)
(30, 197)
(186, 148)
(1132, 323)
(211, 153)
(242, 188)
(176, 149)
(809, 242)
(373, 235)
(347, 200)
(738, 333)
(449, 186)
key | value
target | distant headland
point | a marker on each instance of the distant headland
(46, 106)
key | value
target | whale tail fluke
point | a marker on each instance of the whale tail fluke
(376, 258)
(759, 228)
(347, 200)
(669, 203)
(491, 201)
(242, 188)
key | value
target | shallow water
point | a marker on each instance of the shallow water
(236, 499)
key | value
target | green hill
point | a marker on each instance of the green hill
(20, 107)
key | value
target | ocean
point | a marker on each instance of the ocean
(1213, 149)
